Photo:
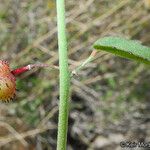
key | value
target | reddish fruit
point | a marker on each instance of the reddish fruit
(8, 80)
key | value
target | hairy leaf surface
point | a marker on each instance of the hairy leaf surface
(125, 48)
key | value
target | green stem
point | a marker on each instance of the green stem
(84, 63)
(64, 78)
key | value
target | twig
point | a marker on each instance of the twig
(32, 133)
(14, 132)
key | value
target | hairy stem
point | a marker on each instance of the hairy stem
(64, 78)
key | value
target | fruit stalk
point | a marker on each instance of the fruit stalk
(21, 70)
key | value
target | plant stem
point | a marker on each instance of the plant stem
(21, 70)
(64, 78)
(84, 63)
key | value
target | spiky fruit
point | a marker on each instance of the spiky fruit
(7, 82)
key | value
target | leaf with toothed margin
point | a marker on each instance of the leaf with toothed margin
(124, 48)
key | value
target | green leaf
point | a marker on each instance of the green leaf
(125, 48)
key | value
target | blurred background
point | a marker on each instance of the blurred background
(109, 97)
